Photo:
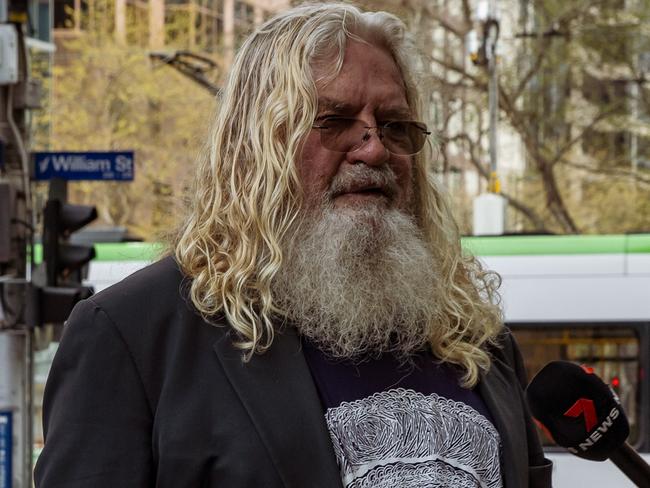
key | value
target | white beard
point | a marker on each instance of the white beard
(359, 283)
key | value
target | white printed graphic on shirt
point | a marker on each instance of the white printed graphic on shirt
(402, 438)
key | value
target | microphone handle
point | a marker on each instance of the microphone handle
(633, 465)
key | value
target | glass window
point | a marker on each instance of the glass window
(611, 350)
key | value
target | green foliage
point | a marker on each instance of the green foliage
(616, 206)
(107, 96)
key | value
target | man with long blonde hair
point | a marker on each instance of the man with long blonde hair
(316, 324)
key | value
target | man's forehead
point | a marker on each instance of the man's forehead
(347, 107)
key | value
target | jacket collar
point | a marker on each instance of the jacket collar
(279, 395)
(496, 390)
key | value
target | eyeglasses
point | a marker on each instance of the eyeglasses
(343, 134)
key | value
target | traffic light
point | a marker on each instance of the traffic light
(63, 261)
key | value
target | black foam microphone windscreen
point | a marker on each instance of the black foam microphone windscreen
(578, 409)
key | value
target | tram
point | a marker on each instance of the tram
(584, 299)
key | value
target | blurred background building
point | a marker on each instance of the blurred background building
(573, 101)
(208, 25)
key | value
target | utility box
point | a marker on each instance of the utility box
(489, 215)
(29, 95)
(9, 72)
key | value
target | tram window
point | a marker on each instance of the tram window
(612, 351)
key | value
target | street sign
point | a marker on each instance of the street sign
(109, 166)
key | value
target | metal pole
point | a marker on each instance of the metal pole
(16, 343)
(491, 35)
(489, 209)
(493, 95)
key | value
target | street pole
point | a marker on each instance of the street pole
(492, 35)
(490, 207)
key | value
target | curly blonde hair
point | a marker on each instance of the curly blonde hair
(247, 193)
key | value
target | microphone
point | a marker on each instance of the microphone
(584, 415)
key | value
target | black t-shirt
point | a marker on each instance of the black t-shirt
(405, 425)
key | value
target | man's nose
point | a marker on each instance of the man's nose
(372, 151)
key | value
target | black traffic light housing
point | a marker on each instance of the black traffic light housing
(53, 304)
(63, 262)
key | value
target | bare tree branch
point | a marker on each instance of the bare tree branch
(536, 220)
(453, 87)
(456, 26)
(467, 12)
(528, 212)
(618, 172)
(581, 135)
(534, 69)
(479, 84)
(554, 200)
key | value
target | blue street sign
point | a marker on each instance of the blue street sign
(6, 446)
(114, 166)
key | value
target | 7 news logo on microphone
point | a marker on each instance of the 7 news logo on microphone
(585, 407)
(578, 409)
(583, 414)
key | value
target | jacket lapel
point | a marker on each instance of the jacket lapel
(497, 393)
(279, 395)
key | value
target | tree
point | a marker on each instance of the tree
(572, 93)
(107, 95)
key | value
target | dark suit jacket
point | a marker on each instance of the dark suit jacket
(144, 393)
